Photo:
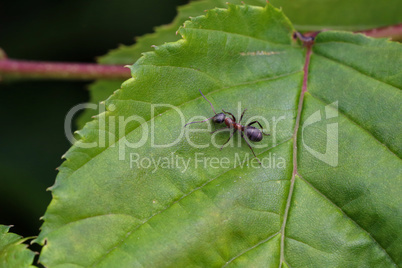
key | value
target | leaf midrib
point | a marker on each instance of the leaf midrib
(303, 90)
(295, 171)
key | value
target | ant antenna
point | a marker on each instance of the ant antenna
(199, 121)
(205, 119)
(207, 101)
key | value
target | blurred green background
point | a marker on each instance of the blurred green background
(32, 113)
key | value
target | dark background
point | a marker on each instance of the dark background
(32, 113)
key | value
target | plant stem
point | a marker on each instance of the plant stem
(90, 71)
(394, 32)
(61, 70)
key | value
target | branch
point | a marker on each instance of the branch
(89, 71)
(61, 70)
(394, 32)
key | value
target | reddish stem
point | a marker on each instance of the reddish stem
(393, 32)
(61, 70)
(91, 71)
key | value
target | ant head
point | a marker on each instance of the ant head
(219, 118)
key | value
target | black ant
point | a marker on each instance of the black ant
(252, 133)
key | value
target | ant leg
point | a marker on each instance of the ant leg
(248, 144)
(198, 121)
(260, 127)
(231, 135)
(241, 117)
(251, 148)
(233, 117)
(252, 123)
(219, 130)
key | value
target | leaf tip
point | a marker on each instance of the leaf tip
(49, 189)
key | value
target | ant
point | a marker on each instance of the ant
(252, 133)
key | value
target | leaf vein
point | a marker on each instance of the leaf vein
(308, 244)
(294, 155)
(353, 68)
(177, 201)
(359, 126)
(250, 248)
(347, 216)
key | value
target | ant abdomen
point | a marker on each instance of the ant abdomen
(253, 134)
(219, 118)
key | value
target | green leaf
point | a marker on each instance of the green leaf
(316, 15)
(308, 15)
(100, 90)
(331, 201)
(165, 33)
(12, 252)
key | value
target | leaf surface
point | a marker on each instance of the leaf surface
(12, 252)
(307, 15)
(328, 195)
